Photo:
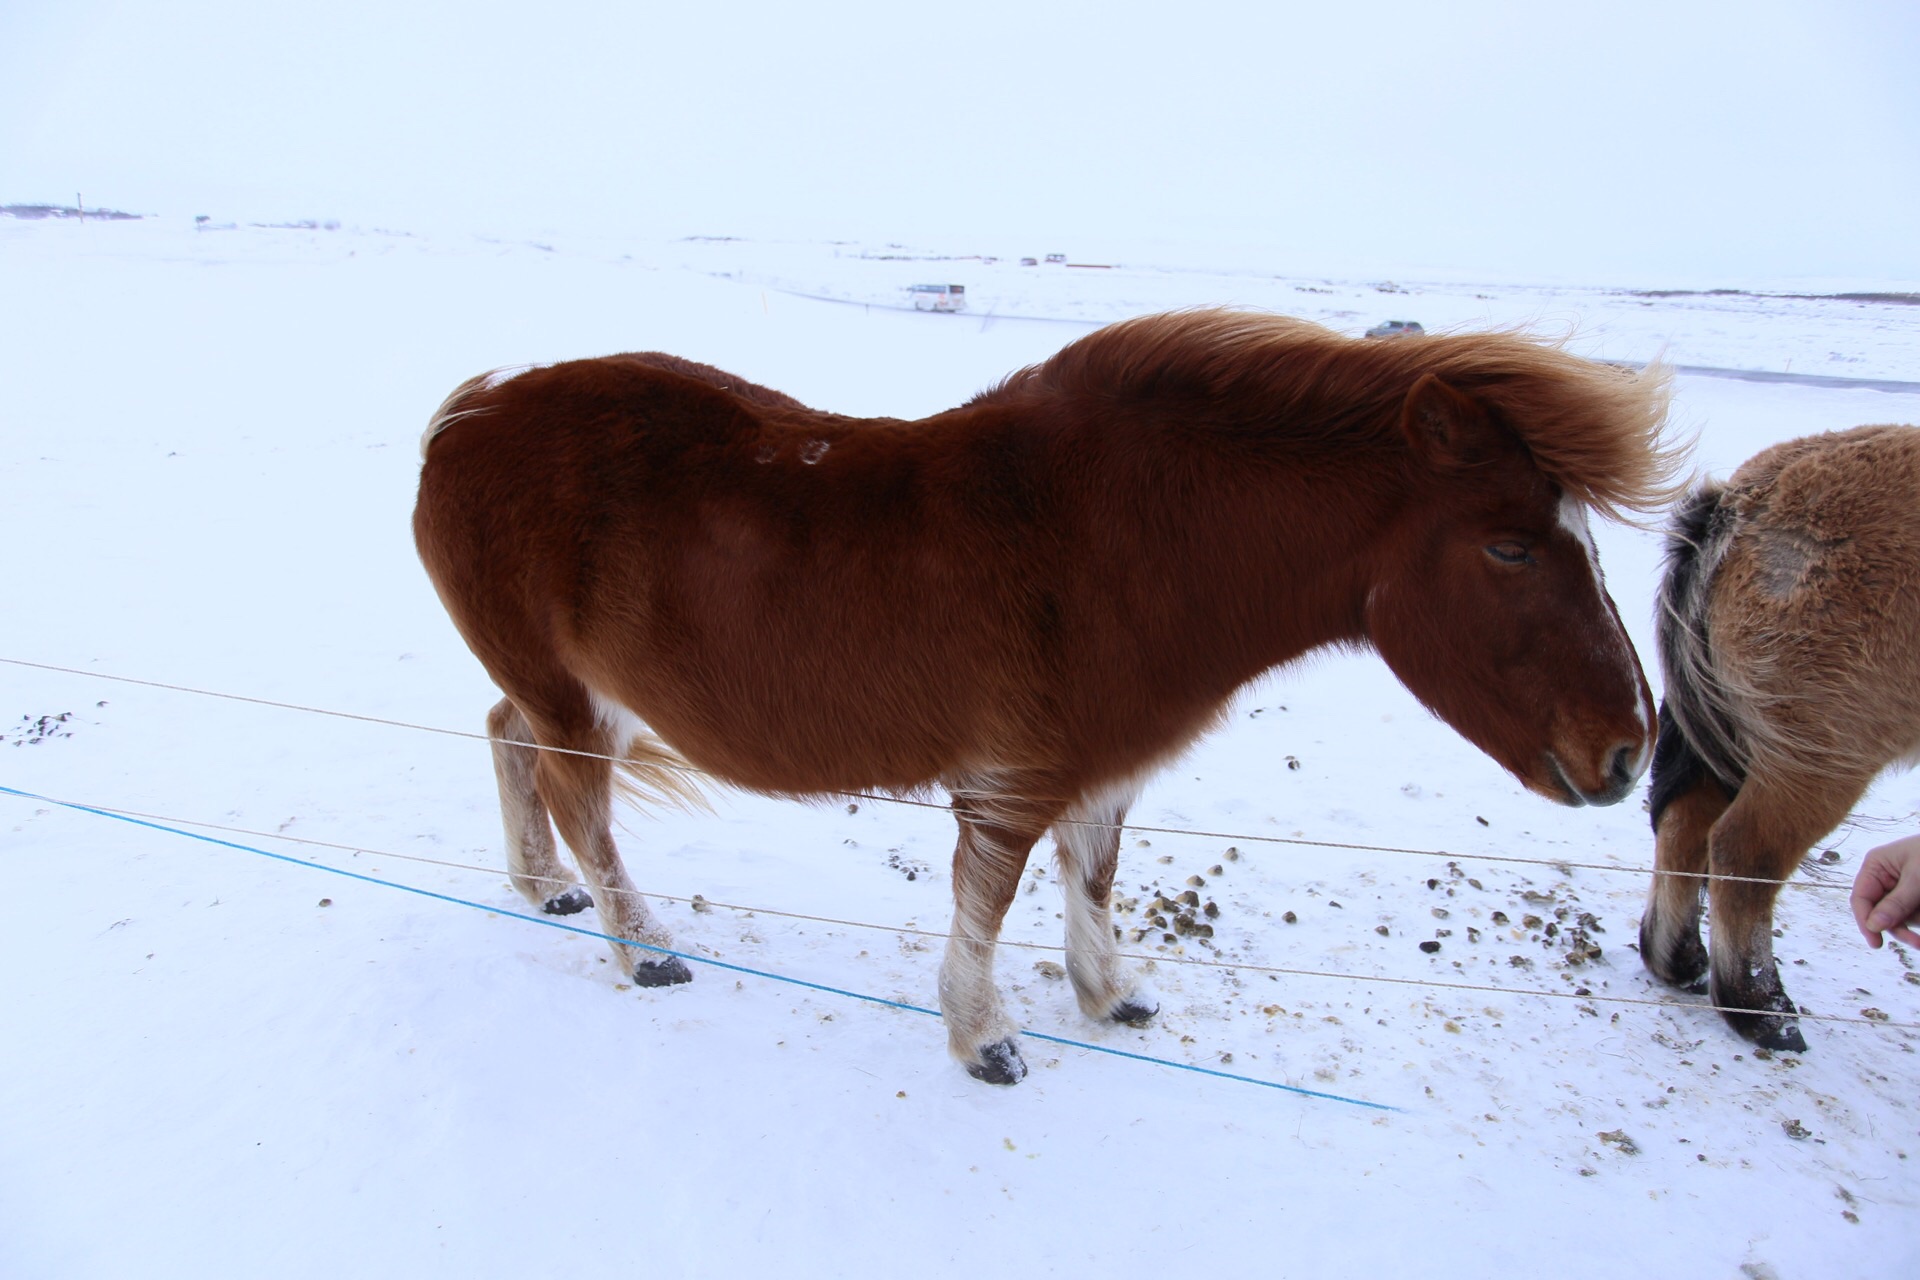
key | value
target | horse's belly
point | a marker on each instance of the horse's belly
(798, 742)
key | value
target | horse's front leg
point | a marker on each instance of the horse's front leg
(996, 833)
(1088, 838)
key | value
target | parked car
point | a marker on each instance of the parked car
(938, 297)
(1396, 329)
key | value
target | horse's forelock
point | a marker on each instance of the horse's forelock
(1599, 431)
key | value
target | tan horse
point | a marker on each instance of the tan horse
(1034, 600)
(1790, 637)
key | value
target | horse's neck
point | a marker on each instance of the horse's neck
(1264, 562)
(1308, 568)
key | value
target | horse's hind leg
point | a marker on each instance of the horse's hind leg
(578, 791)
(1088, 835)
(996, 834)
(531, 860)
(1670, 944)
(1764, 834)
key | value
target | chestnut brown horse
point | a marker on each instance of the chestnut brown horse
(1790, 638)
(1033, 600)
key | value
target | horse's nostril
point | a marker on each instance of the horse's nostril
(1622, 770)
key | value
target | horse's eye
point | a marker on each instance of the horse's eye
(1509, 552)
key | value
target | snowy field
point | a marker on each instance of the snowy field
(217, 1063)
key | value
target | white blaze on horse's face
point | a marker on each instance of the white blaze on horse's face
(1573, 518)
(1610, 641)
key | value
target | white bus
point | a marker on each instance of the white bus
(938, 297)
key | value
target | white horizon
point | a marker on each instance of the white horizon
(1713, 145)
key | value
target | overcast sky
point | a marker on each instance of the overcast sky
(1622, 141)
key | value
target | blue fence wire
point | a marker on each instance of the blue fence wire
(682, 955)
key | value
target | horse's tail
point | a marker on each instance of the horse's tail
(652, 775)
(453, 408)
(1700, 726)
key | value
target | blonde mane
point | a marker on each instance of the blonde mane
(1596, 430)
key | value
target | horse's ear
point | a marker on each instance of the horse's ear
(1446, 426)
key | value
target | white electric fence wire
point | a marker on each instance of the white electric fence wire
(1556, 864)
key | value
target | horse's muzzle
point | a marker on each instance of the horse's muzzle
(1624, 768)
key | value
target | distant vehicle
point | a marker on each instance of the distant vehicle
(1396, 329)
(1029, 262)
(1056, 257)
(938, 297)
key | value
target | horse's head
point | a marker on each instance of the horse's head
(1490, 606)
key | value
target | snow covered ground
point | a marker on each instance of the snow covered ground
(219, 1063)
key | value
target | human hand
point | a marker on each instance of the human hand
(1886, 893)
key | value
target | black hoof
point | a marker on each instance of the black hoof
(1682, 962)
(568, 902)
(1769, 1031)
(1133, 1014)
(664, 972)
(1000, 1063)
(1765, 1017)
